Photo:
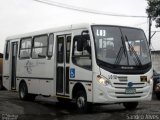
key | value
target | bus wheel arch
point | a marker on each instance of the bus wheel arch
(23, 92)
(77, 87)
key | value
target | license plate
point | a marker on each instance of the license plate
(130, 90)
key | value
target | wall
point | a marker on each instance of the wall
(156, 60)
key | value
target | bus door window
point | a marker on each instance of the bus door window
(68, 45)
(60, 49)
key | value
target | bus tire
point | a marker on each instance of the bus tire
(23, 91)
(158, 95)
(130, 105)
(81, 101)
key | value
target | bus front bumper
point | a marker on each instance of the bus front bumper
(109, 94)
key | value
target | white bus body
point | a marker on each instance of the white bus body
(73, 62)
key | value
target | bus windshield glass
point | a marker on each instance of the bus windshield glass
(121, 46)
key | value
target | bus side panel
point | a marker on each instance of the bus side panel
(46, 87)
(80, 74)
(38, 75)
(6, 67)
(33, 86)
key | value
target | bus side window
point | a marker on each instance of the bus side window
(50, 45)
(25, 48)
(7, 50)
(82, 58)
(40, 47)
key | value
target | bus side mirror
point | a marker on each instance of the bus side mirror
(80, 44)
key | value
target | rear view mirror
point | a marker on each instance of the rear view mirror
(81, 41)
(80, 44)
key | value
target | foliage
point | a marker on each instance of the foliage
(153, 10)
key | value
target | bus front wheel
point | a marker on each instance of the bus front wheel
(130, 105)
(81, 101)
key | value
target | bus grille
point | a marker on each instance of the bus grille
(121, 87)
(125, 85)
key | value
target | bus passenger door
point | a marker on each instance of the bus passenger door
(14, 64)
(63, 55)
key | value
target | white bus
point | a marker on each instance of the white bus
(87, 63)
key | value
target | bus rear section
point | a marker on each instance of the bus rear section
(10, 64)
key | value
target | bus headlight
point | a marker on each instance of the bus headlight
(103, 80)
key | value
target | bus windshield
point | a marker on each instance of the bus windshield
(121, 46)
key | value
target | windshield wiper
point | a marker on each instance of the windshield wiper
(120, 53)
(131, 49)
(119, 56)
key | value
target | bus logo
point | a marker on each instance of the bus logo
(72, 72)
(29, 66)
(130, 84)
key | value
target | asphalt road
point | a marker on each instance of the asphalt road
(12, 108)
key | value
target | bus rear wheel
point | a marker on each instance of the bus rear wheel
(23, 91)
(130, 105)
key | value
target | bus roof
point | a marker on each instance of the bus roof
(50, 30)
(57, 29)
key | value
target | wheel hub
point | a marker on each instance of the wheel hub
(22, 92)
(80, 102)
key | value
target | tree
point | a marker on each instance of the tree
(153, 11)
